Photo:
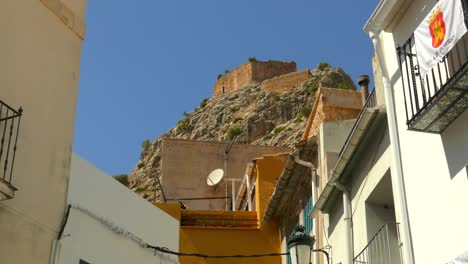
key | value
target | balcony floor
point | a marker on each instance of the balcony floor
(449, 102)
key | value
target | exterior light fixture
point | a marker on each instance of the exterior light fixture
(301, 246)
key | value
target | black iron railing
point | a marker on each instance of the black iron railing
(383, 248)
(371, 102)
(429, 99)
(10, 120)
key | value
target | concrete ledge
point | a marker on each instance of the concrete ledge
(7, 191)
(67, 16)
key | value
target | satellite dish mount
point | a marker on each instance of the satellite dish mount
(214, 178)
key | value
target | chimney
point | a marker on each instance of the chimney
(363, 81)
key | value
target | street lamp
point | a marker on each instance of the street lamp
(301, 247)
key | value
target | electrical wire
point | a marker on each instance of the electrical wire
(64, 222)
(199, 255)
(180, 254)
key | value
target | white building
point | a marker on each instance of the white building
(432, 139)
(399, 190)
(108, 223)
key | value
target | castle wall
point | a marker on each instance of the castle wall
(266, 70)
(239, 77)
(250, 73)
(285, 82)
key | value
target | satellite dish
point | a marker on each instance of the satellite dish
(215, 177)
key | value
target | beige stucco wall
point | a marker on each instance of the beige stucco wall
(186, 164)
(39, 71)
(434, 165)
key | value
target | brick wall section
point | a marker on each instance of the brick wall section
(251, 73)
(285, 82)
(331, 105)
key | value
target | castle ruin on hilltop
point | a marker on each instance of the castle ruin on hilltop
(273, 76)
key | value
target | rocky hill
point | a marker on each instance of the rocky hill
(249, 115)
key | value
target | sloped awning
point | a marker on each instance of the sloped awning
(293, 188)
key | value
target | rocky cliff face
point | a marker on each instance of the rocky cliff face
(248, 115)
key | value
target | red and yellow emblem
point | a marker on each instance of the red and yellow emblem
(437, 27)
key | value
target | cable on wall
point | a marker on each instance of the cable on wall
(199, 255)
(123, 232)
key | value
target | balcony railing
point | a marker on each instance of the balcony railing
(10, 120)
(433, 102)
(383, 248)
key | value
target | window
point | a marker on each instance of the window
(308, 222)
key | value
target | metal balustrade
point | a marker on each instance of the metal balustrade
(434, 101)
(383, 248)
(10, 120)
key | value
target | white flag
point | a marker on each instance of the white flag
(438, 33)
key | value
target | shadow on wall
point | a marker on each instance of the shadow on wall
(455, 142)
(336, 214)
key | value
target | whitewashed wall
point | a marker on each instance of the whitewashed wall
(372, 164)
(434, 166)
(97, 199)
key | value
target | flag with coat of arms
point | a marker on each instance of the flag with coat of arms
(438, 33)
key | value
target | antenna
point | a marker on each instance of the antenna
(215, 177)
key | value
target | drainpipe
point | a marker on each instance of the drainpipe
(225, 177)
(401, 207)
(349, 247)
(363, 81)
(54, 252)
(226, 157)
(313, 175)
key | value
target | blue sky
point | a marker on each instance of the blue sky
(145, 62)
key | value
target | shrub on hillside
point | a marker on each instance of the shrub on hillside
(343, 86)
(305, 111)
(122, 178)
(312, 86)
(233, 132)
(204, 102)
(145, 144)
(183, 124)
(278, 130)
(275, 96)
(323, 65)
